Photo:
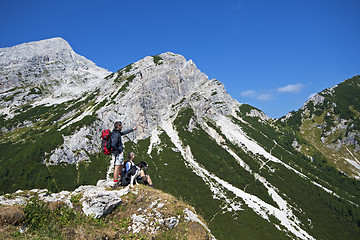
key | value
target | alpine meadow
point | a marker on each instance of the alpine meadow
(249, 176)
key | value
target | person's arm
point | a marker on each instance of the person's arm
(128, 131)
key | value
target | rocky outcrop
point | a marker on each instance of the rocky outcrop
(148, 212)
(96, 201)
(11, 215)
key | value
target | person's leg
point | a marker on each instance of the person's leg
(113, 156)
(116, 173)
(121, 170)
(119, 163)
(121, 166)
(142, 175)
(145, 178)
(148, 179)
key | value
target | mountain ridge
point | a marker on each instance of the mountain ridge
(332, 118)
(229, 160)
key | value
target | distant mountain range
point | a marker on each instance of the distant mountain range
(248, 175)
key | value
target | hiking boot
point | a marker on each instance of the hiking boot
(115, 185)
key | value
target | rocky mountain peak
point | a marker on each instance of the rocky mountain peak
(45, 69)
(316, 99)
(29, 51)
(160, 85)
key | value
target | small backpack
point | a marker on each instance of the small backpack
(106, 144)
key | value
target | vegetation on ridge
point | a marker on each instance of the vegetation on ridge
(157, 60)
(55, 220)
(330, 129)
(25, 148)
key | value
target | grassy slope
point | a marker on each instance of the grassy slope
(170, 174)
(312, 134)
(24, 149)
(331, 217)
(342, 102)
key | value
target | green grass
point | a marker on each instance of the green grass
(335, 213)
(65, 176)
(311, 131)
(325, 211)
(91, 172)
(216, 159)
(24, 149)
(44, 223)
(245, 108)
(346, 96)
(167, 169)
(319, 168)
(157, 60)
(21, 163)
(341, 103)
(246, 225)
(170, 174)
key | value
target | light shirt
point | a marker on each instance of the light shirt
(129, 165)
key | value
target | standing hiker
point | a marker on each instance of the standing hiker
(117, 148)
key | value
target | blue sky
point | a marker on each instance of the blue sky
(270, 54)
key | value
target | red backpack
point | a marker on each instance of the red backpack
(106, 141)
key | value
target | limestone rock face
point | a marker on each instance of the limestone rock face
(157, 89)
(143, 94)
(96, 201)
(47, 68)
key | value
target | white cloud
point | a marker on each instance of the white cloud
(291, 88)
(265, 97)
(249, 93)
(259, 95)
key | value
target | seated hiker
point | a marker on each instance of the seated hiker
(135, 172)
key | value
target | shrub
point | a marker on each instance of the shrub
(157, 60)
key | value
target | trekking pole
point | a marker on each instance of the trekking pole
(128, 138)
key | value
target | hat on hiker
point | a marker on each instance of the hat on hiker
(117, 124)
